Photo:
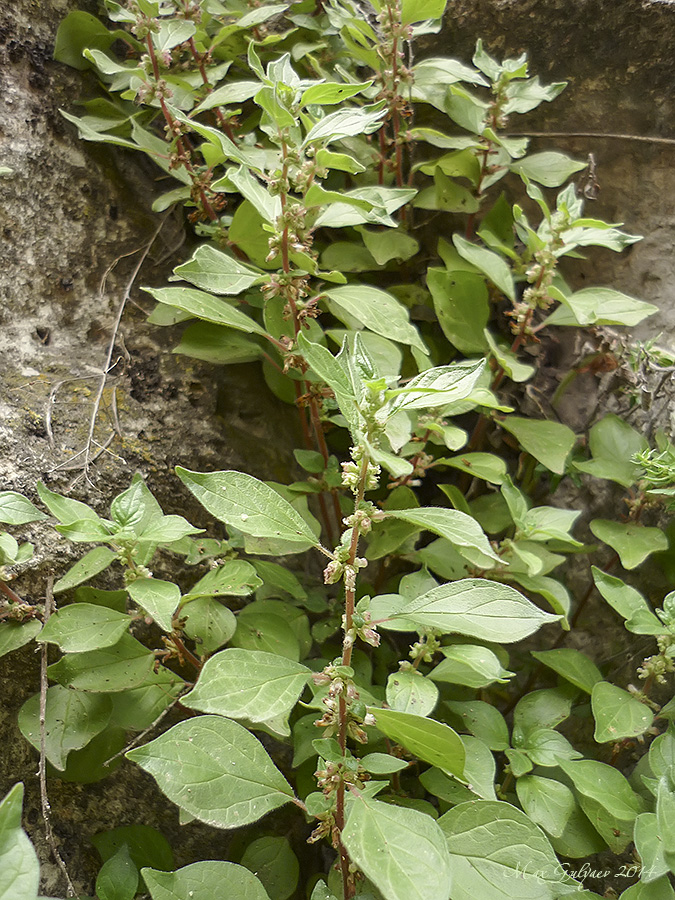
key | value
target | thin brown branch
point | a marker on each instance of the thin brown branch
(111, 346)
(42, 770)
(8, 592)
(646, 139)
(142, 736)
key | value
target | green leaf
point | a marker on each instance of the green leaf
(118, 877)
(18, 510)
(479, 775)
(419, 10)
(368, 205)
(411, 692)
(72, 719)
(606, 798)
(579, 839)
(446, 195)
(612, 443)
(347, 122)
(137, 708)
(80, 30)
(549, 168)
(461, 305)
(516, 370)
(248, 684)
(537, 710)
(87, 530)
(628, 602)
(124, 665)
(168, 530)
(488, 262)
(65, 509)
(267, 633)
(279, 577)
(158, 598)
(204, 881)
(459, 528)
(633, 543)
(470, 664)
(204, 306)
(129, 508)
(431, 135)
(600, 306)
(340, 161)
(232, 578)
(268, 205)
(147, 846)
(665, 817)
(545, 523)
(209, 623)
(249, 505)
(546, 801)
(91, 564)
(82, 627)
(19, 867)
(377, 310)
(649, 846)
(572, 665)
(383, 764)
(498, 852)
(329, 94)
(437, 387)
(14, 634)
(216, 770)
(549, 442)
(475, 607)
(219, 346)
(212, 270)
(400, 850)
(481, 465)
(482, 720)
(387, 245)
(272, 860)
(329, 369)
(618, 714)
(526, 95)
(546, 747)
(427, 739)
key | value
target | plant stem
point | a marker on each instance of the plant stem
(199, 59)
(8, 592)
(348, 887)
(174, 130)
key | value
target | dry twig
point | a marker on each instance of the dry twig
(141, 737)
(42, 770)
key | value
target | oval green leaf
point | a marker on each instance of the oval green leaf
(82, 627)
(475, 607)
(617, 713)
(249, 505)
(216, 770)
(402, 851)
(204, 881)
(248, 684)
(429, 740)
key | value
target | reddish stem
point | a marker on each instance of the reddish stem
(6, 589)
(171, 123)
